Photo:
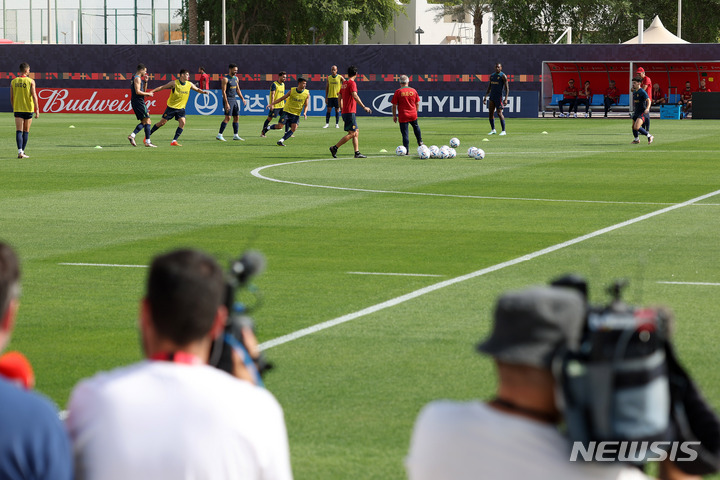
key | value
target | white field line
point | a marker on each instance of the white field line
(431, 288)
(396, 274)
(102, 265)
(256, 173)
(692, 283)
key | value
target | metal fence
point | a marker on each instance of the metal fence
(118, 26)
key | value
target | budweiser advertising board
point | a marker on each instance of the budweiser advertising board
(90, 100)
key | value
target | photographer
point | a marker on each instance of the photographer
(514, 435)
(172, 415)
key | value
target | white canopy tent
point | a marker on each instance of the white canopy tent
(657, 33)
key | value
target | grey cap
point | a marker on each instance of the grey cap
(532, 324)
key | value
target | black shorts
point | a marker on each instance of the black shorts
(141, 110)
(176, 113)
(350, 123)
(644, 116)
(497, 101)
(276, 112)
(333, 102)
(234, 110)
(24, 115)
(290, 118)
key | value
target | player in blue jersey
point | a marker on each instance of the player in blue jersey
(137, 101)
(641, 111)
(498, 84)
(230, 92)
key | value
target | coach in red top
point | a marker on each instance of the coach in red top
(646, 83)
(612, 97)
(686, 98)
(569, 98)
(404, 107)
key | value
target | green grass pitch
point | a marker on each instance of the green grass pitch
(351, 392)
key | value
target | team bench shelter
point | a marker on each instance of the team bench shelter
(670, 75)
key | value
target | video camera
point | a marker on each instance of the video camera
(239, 333)
(624, 391)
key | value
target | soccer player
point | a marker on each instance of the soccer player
(179, 95)
(332, 90)
(569, 98)
(646, 83)
(404, 106)
(277, 90)
(297, 104)
(686, 99)
(230, 90)
(584, 97)
(24, 100)
(611, 96)
(348, 106)
(137, 100)
(498, 84)
(204, 81)
(641, 112)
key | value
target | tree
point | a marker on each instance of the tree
(192, 20)
(458, 9)
(289, 21)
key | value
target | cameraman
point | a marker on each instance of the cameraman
(514, 435)
(173, 416)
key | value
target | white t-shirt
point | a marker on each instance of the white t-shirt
(471, 441)
(159, 420)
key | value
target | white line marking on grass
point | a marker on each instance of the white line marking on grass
(102, 265)
(397, 274)
(431, 288)
(692, 283)
(256, 173)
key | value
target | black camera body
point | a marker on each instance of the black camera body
(625, 395)
(239, 322)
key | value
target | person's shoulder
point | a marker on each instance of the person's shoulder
(19, 403)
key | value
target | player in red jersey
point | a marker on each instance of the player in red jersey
(686, 99)
(646, 83)
(569, 98)
(584, 97)
(404, 107)
(658, 96)
(612, 96)
(348, 104)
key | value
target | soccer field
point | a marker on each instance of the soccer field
(396, 260)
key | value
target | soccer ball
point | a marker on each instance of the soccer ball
(472, 151)
(423, 152)
(434, 151)
(454, 142)
(480, 154)
(452, 152)
(401, 150)
(444, 151)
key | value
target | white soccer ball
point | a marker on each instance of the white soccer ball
(472, 151)
(480, 154)
(453, 153)
(423, 152)
(434, 151)
(401, 150)
(454, 142)
(444, 151)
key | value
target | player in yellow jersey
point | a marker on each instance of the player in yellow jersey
(176, 103)
(24, 100)
(332, 93)
(297, 104)
(277, 90)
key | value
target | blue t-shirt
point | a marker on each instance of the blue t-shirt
(640, 97)
(33, 440)
(497, 84)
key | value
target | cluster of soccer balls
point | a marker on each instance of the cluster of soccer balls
(445, 151)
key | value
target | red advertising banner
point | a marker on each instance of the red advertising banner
(90, 100)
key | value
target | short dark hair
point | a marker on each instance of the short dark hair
(184, 70)
(283, 72)
(301, 79)
(232, 65)
(637, 79)
(9, 276)
(185, 288)
(24, 66)
(202, 68)
(140, 66)
(352, 71)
